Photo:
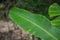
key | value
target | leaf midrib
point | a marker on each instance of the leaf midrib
(38, 27)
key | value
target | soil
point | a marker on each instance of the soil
(11, 31)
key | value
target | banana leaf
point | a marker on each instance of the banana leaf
(54, 12)
(35, 24)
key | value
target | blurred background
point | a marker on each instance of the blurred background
(11, 31)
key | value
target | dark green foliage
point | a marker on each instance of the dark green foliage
(37, 6)
(5, 6)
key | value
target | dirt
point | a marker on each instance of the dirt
(10, 31)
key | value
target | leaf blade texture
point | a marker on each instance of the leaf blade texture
(54, 13)
(35, 24)
(54, 10)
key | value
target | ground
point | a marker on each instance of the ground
(10, 31)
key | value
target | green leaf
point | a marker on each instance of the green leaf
(56, 22)
(35, 24)
(54, 10)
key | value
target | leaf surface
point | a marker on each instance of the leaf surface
(35, 24)
(54, 10)
(56, 22)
